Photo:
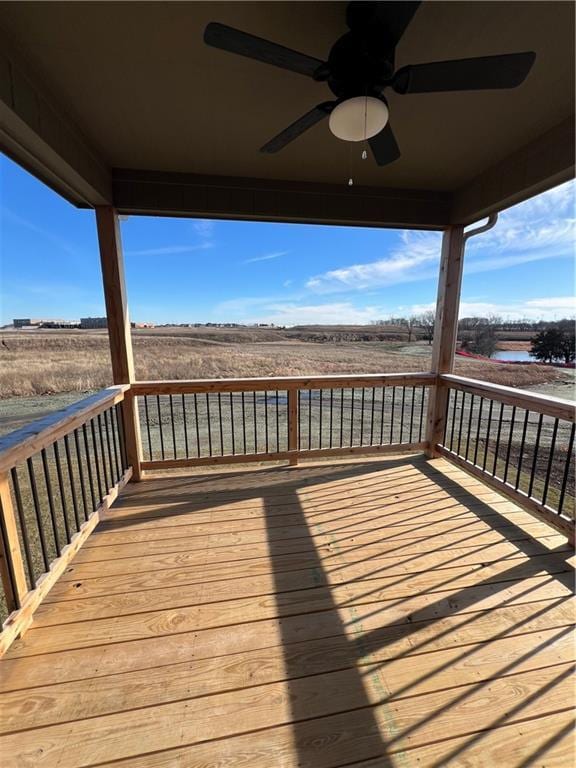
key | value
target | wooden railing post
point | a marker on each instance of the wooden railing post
(293, 419)
(445, 330)
(119, 328)
(11, 566)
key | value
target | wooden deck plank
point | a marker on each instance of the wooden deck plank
(400, 723)
(359, 581)
(392, 610)
(466, 629)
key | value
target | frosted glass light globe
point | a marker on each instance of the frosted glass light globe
(359, 118)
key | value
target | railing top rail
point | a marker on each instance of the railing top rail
(545, 404)
(272, 383)
(22, 443)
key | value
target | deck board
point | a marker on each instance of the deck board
(360, 613)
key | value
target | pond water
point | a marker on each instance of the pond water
(513, 354)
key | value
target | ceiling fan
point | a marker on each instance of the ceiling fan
(361, 66)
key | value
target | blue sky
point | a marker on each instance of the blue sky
(183, 270)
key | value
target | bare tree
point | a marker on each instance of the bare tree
(426, 321)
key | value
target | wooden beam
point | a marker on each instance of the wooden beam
(445, 329)
(188, 194)
(39, 135)
(11, 564)
(119, 327)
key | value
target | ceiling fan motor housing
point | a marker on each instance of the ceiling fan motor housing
(358, 65)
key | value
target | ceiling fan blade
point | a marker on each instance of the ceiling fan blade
(392, 17)
(235, 41)
(483, 73)
(384, 146)
(298, 127)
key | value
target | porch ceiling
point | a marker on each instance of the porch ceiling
(87, 89)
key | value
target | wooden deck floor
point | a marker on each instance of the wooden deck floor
(360, 613)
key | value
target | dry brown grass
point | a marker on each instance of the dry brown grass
(50, 362)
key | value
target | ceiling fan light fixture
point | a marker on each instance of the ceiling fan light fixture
(358, 118)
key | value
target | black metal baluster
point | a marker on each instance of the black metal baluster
(60, 479)
(50, 499)
(11, 591)
(362, 415)
(497, 444)
(38, 513)
(23, 527)
(550, 460)
(185, 420)
(89, 466)
(446, 413)
(352, 419)
(392, 409)
(114, 428)
(566, 469)
(412, 417)
(462, 405)
(151, 456)
(478, 431)
(402, 413)
(509, 449)
(221, 424)
(522, 444)
(454, 393)
(372, 417)
(321, 392)
(244, 422)
(162, 453)
(120, 422)
(266, 421)
(209, 420)
(422, 415)
(197, 424)
(107, 482)
(535, 456)
(81, 475)
(277, 422)
(309, 419)
(487, 436)
(96, 459)
(173, 425)
(382, 407)
(331, 415)
(255, 422)
(341, 417)
(233, 436)
(468, 432)
(109, 447)
(72, 481)
(299, 419)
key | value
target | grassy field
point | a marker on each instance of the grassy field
(49, 362)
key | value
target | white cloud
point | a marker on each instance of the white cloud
(204, 228)
(170, 250)
(266, 257)
(540, 228)
(553, 308)
(336, 313)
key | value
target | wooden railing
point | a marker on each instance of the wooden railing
(520, 443)
(57, 476)
(190, 423)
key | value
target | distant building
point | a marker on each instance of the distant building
(93, 322)
(21, 322)
(35, 322)
(142, 325)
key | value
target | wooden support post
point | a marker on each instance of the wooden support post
(445, 330)
(11, 566)
(119, 328)
(293, 419)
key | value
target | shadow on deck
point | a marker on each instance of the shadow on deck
(360, 613)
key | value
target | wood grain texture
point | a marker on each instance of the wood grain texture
(386, 613)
